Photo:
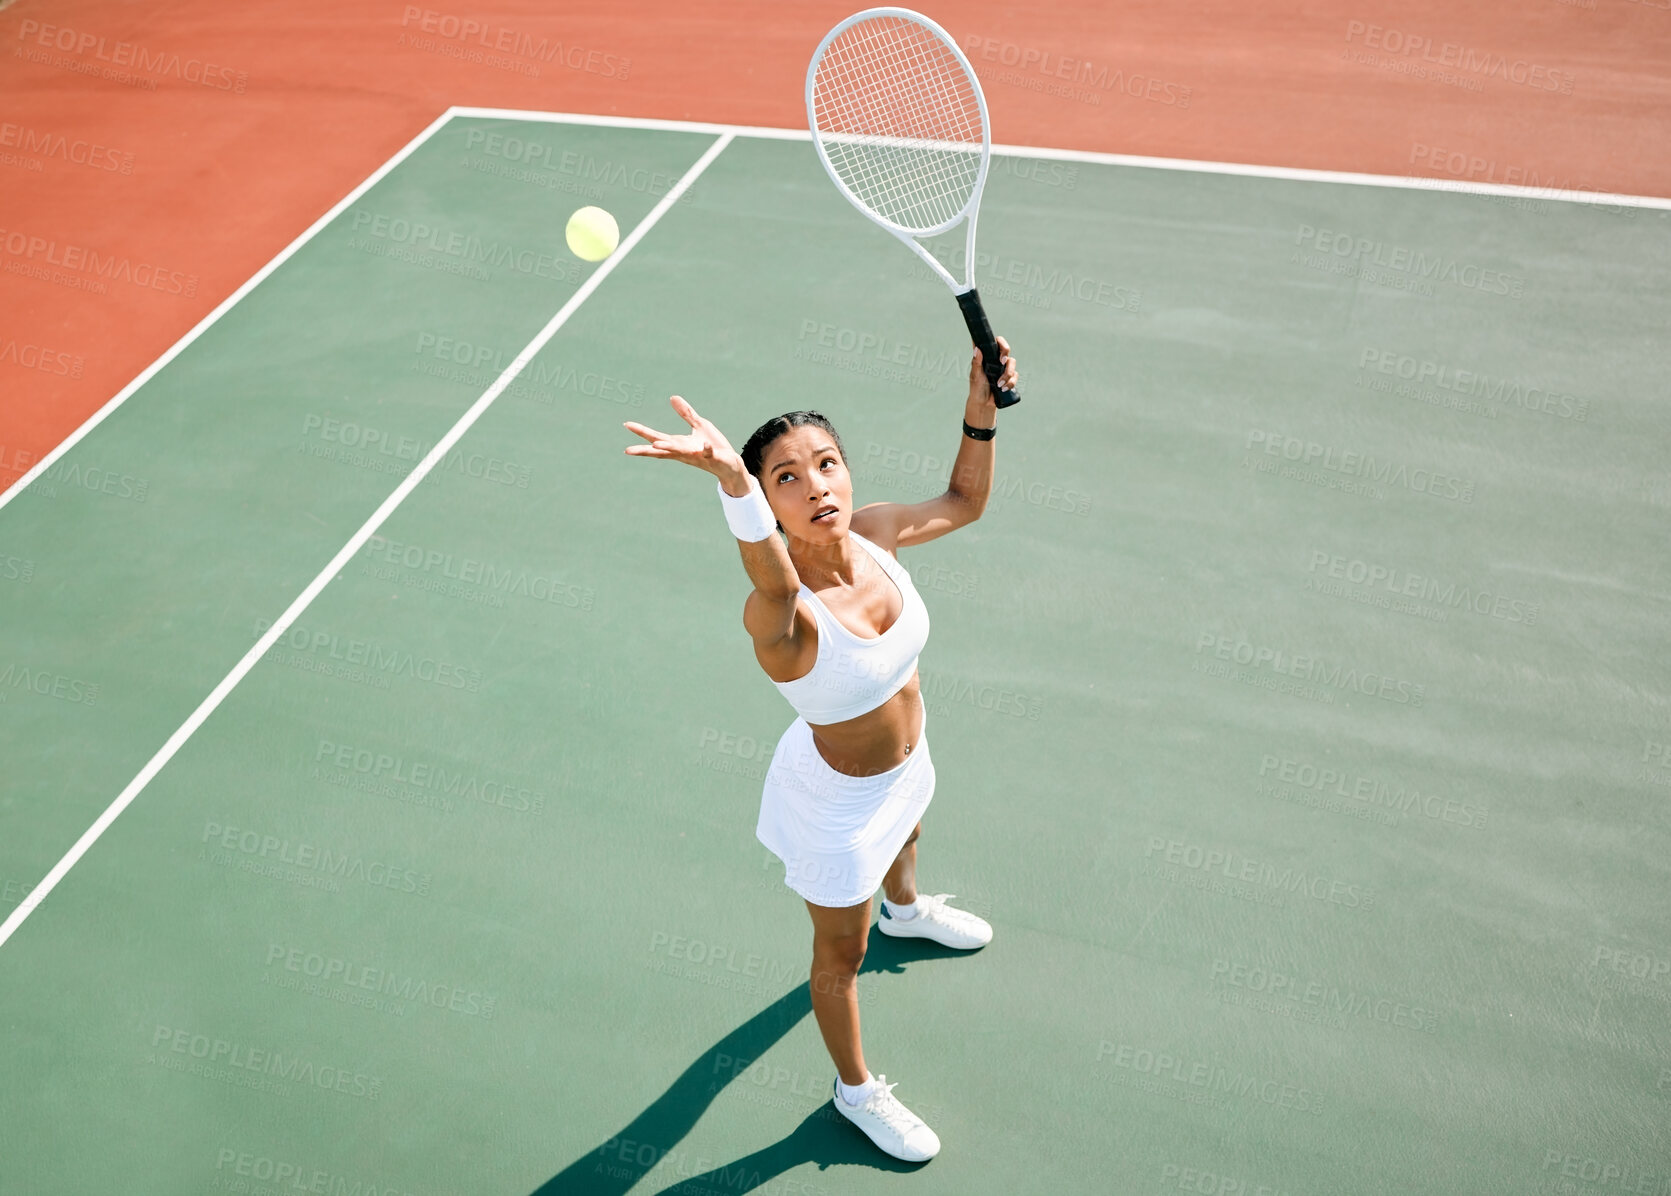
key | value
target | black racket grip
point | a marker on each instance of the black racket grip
(974, 315)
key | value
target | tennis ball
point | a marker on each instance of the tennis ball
(592, 234)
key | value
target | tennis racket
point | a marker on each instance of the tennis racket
(900, 124)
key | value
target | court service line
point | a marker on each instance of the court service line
(226, 305)
(346, 554)
(1199, 166)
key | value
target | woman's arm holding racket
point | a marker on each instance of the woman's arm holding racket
(705, 447)
(971, 479)
(906, 525)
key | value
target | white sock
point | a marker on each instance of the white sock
(856, 1094)
(902, 913)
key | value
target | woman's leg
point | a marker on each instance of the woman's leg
(839, 937)
(900, 884)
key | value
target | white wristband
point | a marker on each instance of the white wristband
(750, 517)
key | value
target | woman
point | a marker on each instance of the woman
(838, 626)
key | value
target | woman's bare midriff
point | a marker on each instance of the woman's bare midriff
(877, 740)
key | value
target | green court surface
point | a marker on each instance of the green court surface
(1300, 705)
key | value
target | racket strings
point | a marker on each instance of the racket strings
(901, 167)
(930, 109)
(898, 118)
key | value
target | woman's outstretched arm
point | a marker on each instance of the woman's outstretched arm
(767, 561)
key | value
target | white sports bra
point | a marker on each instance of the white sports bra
(851, 674)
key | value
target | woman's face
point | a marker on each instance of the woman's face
(802, 475)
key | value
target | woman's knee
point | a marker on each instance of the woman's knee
(839, 954)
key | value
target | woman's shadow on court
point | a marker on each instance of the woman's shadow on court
(823, 1137)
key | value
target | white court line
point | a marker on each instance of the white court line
(1294, 174)
(226, 305)
(175, 741)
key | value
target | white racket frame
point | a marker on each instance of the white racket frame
(971, 209)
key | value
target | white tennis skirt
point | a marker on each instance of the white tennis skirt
(838, 835)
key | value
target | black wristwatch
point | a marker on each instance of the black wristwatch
(978, 433)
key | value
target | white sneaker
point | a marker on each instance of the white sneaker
(890, 1124)
(938, 921)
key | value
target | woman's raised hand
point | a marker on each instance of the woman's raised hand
(704, 446)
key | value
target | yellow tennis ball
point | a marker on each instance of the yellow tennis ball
(592, 234)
